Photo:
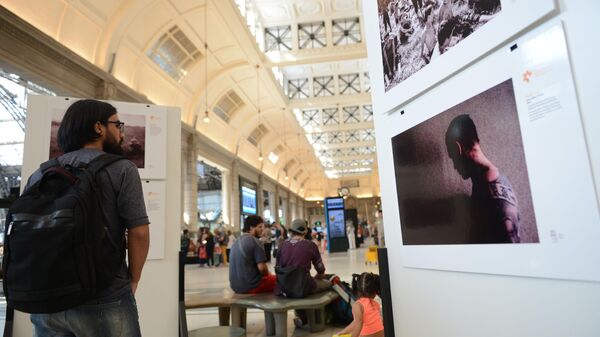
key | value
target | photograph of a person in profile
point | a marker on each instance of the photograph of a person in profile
(462, 176)
(494, 203)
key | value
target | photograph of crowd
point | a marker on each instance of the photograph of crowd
(461, 176)
(134, 137)
(414, 32)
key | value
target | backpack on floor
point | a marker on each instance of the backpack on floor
(341, 308)
(58, 251)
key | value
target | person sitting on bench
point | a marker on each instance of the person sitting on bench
(248, 272)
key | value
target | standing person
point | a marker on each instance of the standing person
(267, 239)
(495, 209)
(223, 240)
(185, 241)
(366, 311)
(248, 272)
(88, 129)
(350, 234)
(210, 248)
(218, 253)
(230, 241)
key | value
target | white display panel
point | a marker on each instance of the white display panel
(499, 24)
(558, 171)
(154, 198)
(144, 136)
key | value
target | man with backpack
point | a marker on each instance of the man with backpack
(75, 281)
(294, 259)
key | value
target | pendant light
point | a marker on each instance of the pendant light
(260, 154)
(206, 118)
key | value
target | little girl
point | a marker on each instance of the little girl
(367, 313)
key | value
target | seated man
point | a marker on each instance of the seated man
(299, 252)
(248, 272)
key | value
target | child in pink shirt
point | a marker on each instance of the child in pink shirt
(366, 311)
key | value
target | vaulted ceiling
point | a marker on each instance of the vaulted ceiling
(278, 79)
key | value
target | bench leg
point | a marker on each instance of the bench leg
(238, 317)
(280, 324)
(316, 319)
(269, 324)
(224, 316)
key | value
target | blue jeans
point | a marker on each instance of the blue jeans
(102, 319)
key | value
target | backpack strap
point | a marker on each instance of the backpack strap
(102, 161)
(49, 164)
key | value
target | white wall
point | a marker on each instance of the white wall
(430, 303)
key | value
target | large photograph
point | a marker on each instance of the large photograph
(461, 176)
(414, 32)
(134, 137)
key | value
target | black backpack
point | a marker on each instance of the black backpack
(58, 251)
(292, 281)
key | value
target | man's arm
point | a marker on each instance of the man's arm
(138, 241)
(262, 268)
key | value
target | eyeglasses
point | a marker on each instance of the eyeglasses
(119, 124)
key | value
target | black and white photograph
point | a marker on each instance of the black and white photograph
(462, 178)
(134, 137)
(414, 32)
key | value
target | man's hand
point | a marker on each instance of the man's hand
(134, 286)
(320, 276)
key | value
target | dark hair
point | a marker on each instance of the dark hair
(365, 284)
(461, 129)
(251, 221)
(77, 126)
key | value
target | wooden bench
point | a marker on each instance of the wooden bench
(275, 308)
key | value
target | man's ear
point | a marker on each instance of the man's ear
(98, 128)
(459, 148)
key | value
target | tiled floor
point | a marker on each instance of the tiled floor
(342, 264)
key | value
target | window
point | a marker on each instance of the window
(278, 38)
(174, 53)
(351, 114)
(227, 105)
(298, 89)
(310, 117)
(346, 31)
(257, 134)
(14, 92)
(323, 86)
(298, 174)
(367, 82)
(311, 35)
(330, 116)
(353, 136)
(369, 134)
(367, 113)
(349, 84)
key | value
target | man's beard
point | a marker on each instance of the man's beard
(113, 147)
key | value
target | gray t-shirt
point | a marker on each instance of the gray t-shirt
(123, 201)
(246, 253)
